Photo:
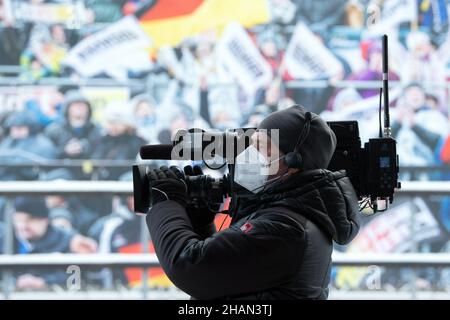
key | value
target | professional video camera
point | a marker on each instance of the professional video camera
(372, 169)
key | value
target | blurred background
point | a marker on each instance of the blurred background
(85, 83)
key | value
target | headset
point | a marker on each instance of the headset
(294, 159)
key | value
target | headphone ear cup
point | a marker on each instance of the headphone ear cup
(293, 160)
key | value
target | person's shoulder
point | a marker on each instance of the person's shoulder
(136, 138)
(281, 219)
(93, 127)
(6, 142)
(43, 139)
(45, 145)
(56, 239)
(54, 127)
(59, 233)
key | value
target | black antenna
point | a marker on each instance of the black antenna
(380, 133)
(387, 125)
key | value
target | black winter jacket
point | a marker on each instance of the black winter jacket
(278, 247)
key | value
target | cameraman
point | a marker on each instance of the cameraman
(279, 243)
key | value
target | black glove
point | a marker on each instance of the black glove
(201, 215)
(167, 184)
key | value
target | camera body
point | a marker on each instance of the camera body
(373, 169)
(203, 190)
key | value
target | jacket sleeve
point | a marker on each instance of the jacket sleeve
(228, 263)
(350, 222)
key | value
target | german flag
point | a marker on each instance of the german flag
(168, 22)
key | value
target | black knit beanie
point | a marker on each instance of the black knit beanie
(33, 205)
(318, 147)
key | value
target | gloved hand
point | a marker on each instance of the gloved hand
(201, 215)
(167, 184)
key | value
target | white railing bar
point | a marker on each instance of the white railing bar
(126, 187)
(52, 260)
(118, 260)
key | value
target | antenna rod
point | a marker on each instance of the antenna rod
(387, 125)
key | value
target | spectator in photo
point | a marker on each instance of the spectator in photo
(259, 113)
(58, 35)
(421, 61)
(272, 46)
(115, 231)
(372, 71)
(432, 101)
(223, 111)
(177, 122)
(14, 36)
(33, 233)
(23, 144)
(354, 14)
(120, 228)
(46, 106)
(69, 212)
(411, 120)
(46, 50)
(346, 98)
(32, 67)
(120, 141)
(181, 116)
(267, 43)
(145, 117)
(415, 102)
(222, 119)
(343, 99)
(75, 136)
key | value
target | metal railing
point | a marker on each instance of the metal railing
(8, 81)
(137, 260)
(14, 188)
(10, 262)
(49, 164)
(143, 83)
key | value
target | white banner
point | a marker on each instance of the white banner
(393, 13)
(113, 50)
(398, 11)
(393, 231)
(239, 55)
(71, 14)
(308, 58)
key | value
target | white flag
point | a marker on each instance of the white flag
(239, 55)
(114, 50)
(308, 58)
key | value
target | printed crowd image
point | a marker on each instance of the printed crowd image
(84, 84)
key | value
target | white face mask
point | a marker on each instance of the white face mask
(252, 169)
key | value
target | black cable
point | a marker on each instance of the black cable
(217, 168)
(223, 221)
(366, 203)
